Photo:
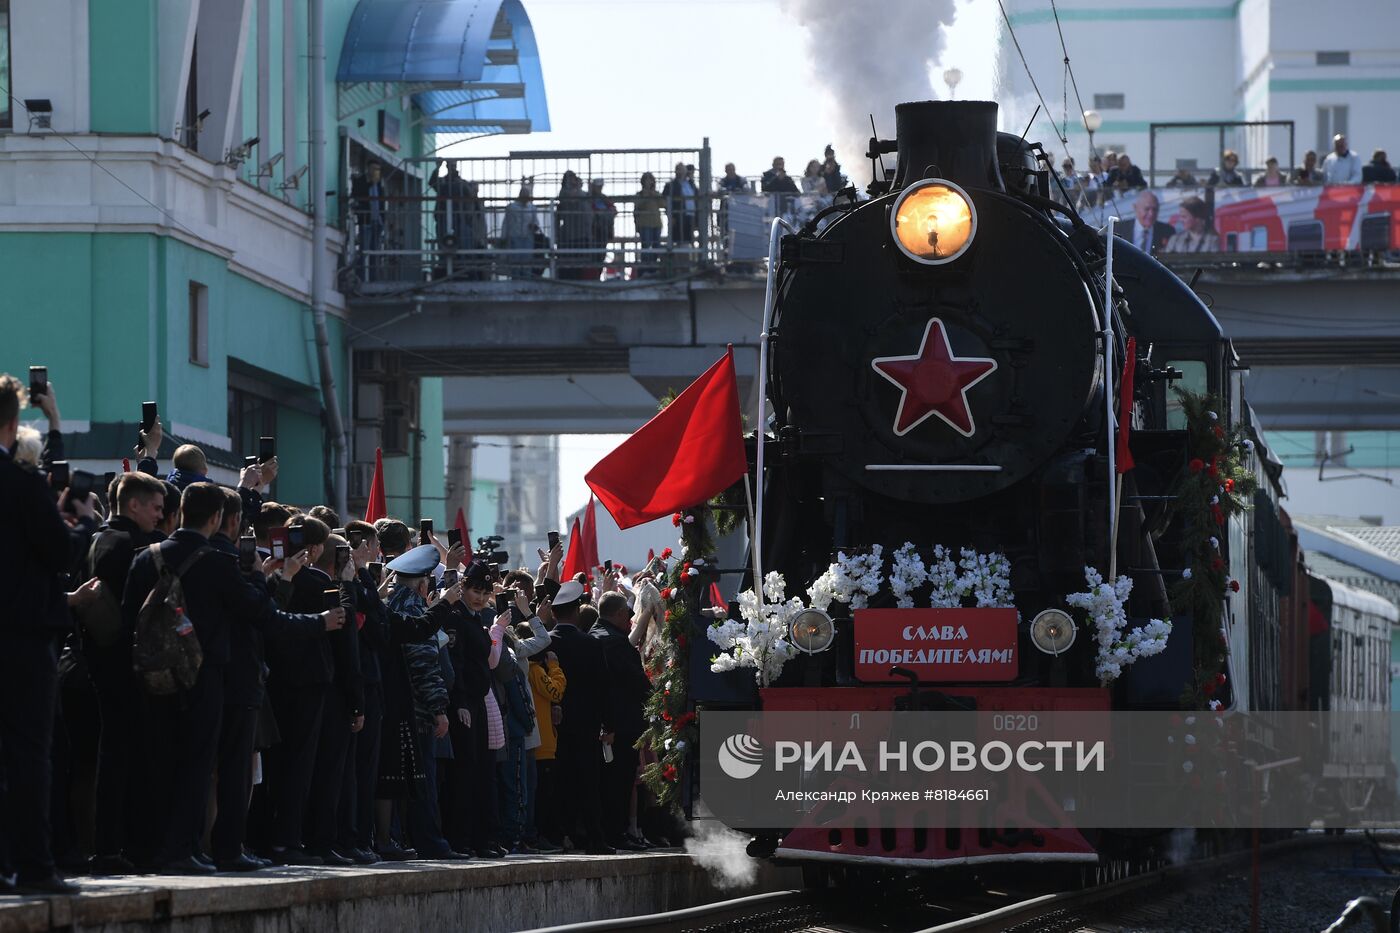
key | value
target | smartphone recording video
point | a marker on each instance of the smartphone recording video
(247, 553)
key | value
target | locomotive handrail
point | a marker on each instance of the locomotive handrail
(769, 298)
(1111, 421)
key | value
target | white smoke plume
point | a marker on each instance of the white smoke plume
(721, 852)
(871, 56)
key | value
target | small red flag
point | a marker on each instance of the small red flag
(692, 450)
(573, 561)
(461, 526)
(651, 555)
(1124, 454)
(375, 508)
(590, 538)
(126, 465)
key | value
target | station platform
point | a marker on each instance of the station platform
(517, 893)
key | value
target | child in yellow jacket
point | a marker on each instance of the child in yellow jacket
(547, 683)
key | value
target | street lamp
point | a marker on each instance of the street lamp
(1092, 121)
(951, 77)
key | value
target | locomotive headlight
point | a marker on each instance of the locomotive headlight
(1053, 631)
(933, 221)
(811, 630)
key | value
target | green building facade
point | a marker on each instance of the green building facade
(155, 219)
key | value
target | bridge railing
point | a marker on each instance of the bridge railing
(464, 237)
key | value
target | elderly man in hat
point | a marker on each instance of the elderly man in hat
(587, 723)
(629, 690)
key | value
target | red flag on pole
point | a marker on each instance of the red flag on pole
(590, 538)
(375, 509)
(692, 450)
(1124, 454)
(573, 561)
(461, 526)
(651, 555)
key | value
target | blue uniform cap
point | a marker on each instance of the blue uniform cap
(418, 562)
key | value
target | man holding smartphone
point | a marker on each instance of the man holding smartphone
(34, 553)
(244, 692)
(137, 509)
(302, 672)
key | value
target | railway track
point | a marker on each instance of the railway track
(1149, 900)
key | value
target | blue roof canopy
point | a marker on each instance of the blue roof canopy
(470, 65)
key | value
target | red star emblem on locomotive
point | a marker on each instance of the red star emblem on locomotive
(934, 382)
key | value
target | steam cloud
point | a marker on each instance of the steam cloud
(721, 852)
(871, 56)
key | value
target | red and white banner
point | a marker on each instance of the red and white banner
(1259, 220)
(936, 644)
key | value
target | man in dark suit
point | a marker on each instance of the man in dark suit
(1146, 232)
(34, 552)
(587, 719)
(140, 505)
(243, 698)
(183, 730)
(302, 672)
(630, 688)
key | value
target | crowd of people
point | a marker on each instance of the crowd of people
(1114, 173)
(472, 240)
(196, 678)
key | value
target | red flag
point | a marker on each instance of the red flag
(126, 465)
(573, 561)
(651, 555)
(590, 538)
(1124, 454)
(689, 452)
(375, 509)
(716, 597)
(461, 526)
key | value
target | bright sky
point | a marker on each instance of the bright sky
(668, 73)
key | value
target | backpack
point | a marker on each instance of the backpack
(166, 654)
(100, 621)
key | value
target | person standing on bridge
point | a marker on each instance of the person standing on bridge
(680, 205)
(1342, 166)
(572, 227)
(602, 214)
(646, 217)
(518, 231)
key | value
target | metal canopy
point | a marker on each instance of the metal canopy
(469, 65)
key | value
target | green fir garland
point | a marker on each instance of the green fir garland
(1214, 486)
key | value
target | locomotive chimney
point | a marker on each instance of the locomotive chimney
(952, 139)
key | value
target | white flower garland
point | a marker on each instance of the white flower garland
(760, 639)
(851, 579)
(948, 589)
(907, 574)
(987, 577)
(1104, 604)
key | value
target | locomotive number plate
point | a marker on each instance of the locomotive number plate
(937, 644)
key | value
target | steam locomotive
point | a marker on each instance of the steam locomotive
(943, 365)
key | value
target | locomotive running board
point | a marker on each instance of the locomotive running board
(811, 856)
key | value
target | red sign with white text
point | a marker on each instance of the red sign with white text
(936, 644)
